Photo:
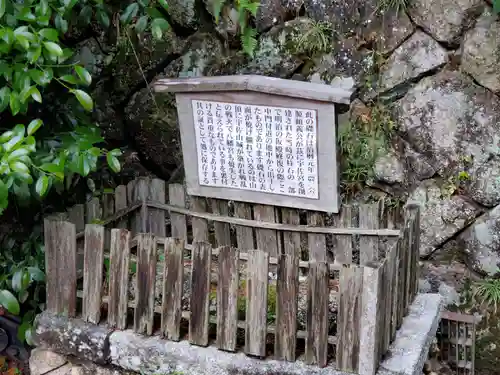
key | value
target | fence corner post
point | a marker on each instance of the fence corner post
(371, 299)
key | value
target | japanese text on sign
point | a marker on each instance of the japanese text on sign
(258, 148)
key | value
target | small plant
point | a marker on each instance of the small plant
(316, 40)
(396, 5)
(245, 9)
(487, 292)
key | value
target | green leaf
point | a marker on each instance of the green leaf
(249, 41)
(17, 281)
(86, 14)
(116, 152)
(50, 34)
(496, 6)
(84, 99)
(113, 162)
(21, 331)
(61, 24)
(34, 53)
(19, 153)
(83, 74)
(19, 167)
(42, 78)
(103, 18)
(158, 26)
(42, 184)
(29, 337)
(4, 98)
(9, 302)
(34, 125)
(252, 7)
(53, 48)
(69, 79)
(129, 13)
(141, 24)
(36, 274)
(3, 6)
(15, 104)
(31, 91)
(164, 4)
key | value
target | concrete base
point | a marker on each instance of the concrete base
(130, 352)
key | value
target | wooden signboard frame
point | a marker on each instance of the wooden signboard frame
(262, 91)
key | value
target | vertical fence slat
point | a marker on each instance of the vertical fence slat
(370, 329)
(244, 235)
(120, 204)
(385, 308)
(92, 211)
(118, 278)
(173, 273)
(349, 318)
(317, 242)
(317, 314)
(156, 217)
(177, 197)
(368, 245)
(200, 226)
(108, 209)
(390, 296)
(287, 286)
(76, 215)
(403, 271)
(395, 285)
(139, 219)
(222, 230)
(415, 250)
(145, 289)
(256, 304)
(200, 293)
(227, 298)
(266, 238)
(343, 243)
(60, 260)
(92, 272)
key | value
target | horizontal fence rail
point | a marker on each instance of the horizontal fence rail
(242, 277)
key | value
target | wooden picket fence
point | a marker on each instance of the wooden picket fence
(372, 276)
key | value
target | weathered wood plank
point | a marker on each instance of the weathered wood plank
(368, 246)
(156, 217)
(76, 215)
(130, 191)
(139, 219)
(266, 238)
(317, 242)
(227, 298)
(317, 315)
(177, 197)
(118, 278)
(287, 287)
(244, 235)
(120, 204)
(275, 226)
(396, 288)
(146, 278)
(222, 230)
(349, 318)
(173, 273)
(92, 272)
(343, 243)
(108, 210)
(60, 260)
(256, 304)
(200, 226)
(93, 211)
(200, 293)
(370, 316)
(414, 250)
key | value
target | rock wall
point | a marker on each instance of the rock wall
(433, 66)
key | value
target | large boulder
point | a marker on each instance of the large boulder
(417, 56)
(481, 51)
(481, 243)
(441, 216)
(453, 125)
(151, 119)
(184, 13)
(274, 12)
(445, 20)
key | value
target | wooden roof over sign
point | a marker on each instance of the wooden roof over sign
(262, 84)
